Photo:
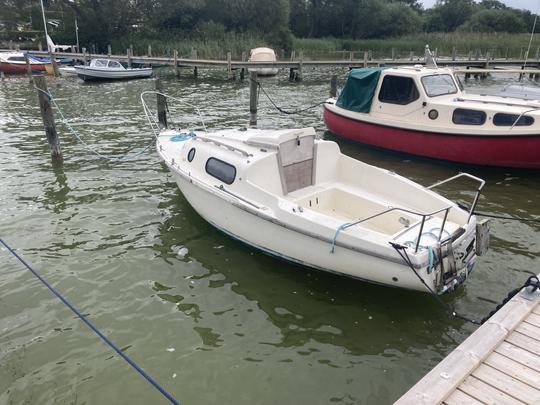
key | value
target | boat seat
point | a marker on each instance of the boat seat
(295, 158)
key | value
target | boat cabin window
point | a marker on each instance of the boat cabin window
(16, 59)
(114, 64)
(398, 90)
(507, 120)
(438, 85)
(221, 170)
(464, 116)
(101, 63)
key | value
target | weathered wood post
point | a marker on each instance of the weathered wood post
(393, 53)
(333, 86)
(149, 53)
(109, 50)
(85, 58)
(2, 76)
(40, 47)
(507, 50)
(351, 55)
(253, 85)
(521, 74)
(242, 74)
(486, 66)
(521, 53)
(10, 44)
(293, 55)
(411, 55)
(195, 72)
(300, 72)
(175, 57)
(128, 52)
(470, 55)
(244, 56)
(291, 74)
(366, 56)
(28, 67)
(73, 48)
(467, 75)
(477, 55)
(54, 64)
(161, 105)
(229, 66)
(454, 52)
(48, 118)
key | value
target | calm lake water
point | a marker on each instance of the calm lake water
(224, 323)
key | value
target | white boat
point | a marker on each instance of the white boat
(67, 71)
(107, 69)
(263, 55)
(297, 197)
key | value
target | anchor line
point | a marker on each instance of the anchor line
(92, 326)
(127, 157)
(485, 214)
(282, 110)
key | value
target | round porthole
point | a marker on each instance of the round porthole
(433, 114)
(395, 279)
(191, 154)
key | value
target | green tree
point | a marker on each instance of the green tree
(494, 20)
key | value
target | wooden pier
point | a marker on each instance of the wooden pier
(296, 65)
(498, 364)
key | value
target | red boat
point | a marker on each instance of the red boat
(14, 62)
(424, 111)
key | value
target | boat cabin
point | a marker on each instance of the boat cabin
(433, 99)
(106, 64)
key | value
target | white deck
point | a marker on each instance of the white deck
(498, 364)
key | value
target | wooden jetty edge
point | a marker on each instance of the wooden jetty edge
(498, 363)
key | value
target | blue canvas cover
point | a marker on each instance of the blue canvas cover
(357, 94)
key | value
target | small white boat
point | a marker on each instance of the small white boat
(107, 69)
(263, 55)
(297, 197)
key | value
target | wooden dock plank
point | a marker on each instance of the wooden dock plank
(534, 318)
(486, 393)
(525, 342)
(466, 361)
(507, 384)
(520, 355)
(460, 398)
(529, 330)
(514, 369)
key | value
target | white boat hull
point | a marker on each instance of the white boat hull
(265, 71)
(89, 73)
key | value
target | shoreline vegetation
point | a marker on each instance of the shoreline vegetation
(499, 45)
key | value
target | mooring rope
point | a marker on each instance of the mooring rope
(485, 214)
(532, 281)
(91, 326)
(282, 110)
(127, 157)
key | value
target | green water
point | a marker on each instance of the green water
(223, 324)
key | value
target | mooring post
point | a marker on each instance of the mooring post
(411, 55)
(242, 74)
(40, 47)
(333, 86)
(507, 50)
(2, 76)
(521, 53)
(293, 55)
(28, 67)
(366, 57)
(300, 72)
(521, 74)
(454, 52)
(175, 57)
(84, 56)
(253, 84)
(47, 115)
(243, 56)
(149, 53)
(195, 72)
(128, 51)
(161, 105)
(393, 53)
(467, 75)
(10, 44)
(351, 55)
(291, 74)
(73, 48)
(54, 64)
(229, 67)
(109, 50)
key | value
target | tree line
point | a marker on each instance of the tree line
(277, 21)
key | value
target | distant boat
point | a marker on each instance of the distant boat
(14, 62)
(107, 69)
(263, 55)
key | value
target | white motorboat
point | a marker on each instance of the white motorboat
(297, 197)
(107, 69)
(263, 55)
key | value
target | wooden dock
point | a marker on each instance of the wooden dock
(296, 65)
(498, 364)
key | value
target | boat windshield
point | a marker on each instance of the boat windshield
(100, 62)
(438, 85)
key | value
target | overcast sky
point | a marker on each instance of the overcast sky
(521, 4)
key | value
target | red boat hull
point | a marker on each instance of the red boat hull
(7, 67)
(502, 151)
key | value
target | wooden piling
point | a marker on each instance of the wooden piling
(351, 55)
(244, 56)
(10, 44)
(454, 53)
(40, 47)
(109, 50)
(161, 105)
(48, 118)
(54, 64)
(291, 74)
(128, 52)
(149, 53)
(28, 67)
(366, 56)
(229, 66)
(411, 55)
(85, 58)
(253, 85)
(176, 69)
(300, 72)
(195, 72)
(333, 86)
(393, 53)
(242, 74)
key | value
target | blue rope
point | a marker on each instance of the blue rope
(91, 326)
(76, 135)
(340, 228)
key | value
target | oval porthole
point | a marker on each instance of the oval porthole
(191, 154)
(433, 114)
